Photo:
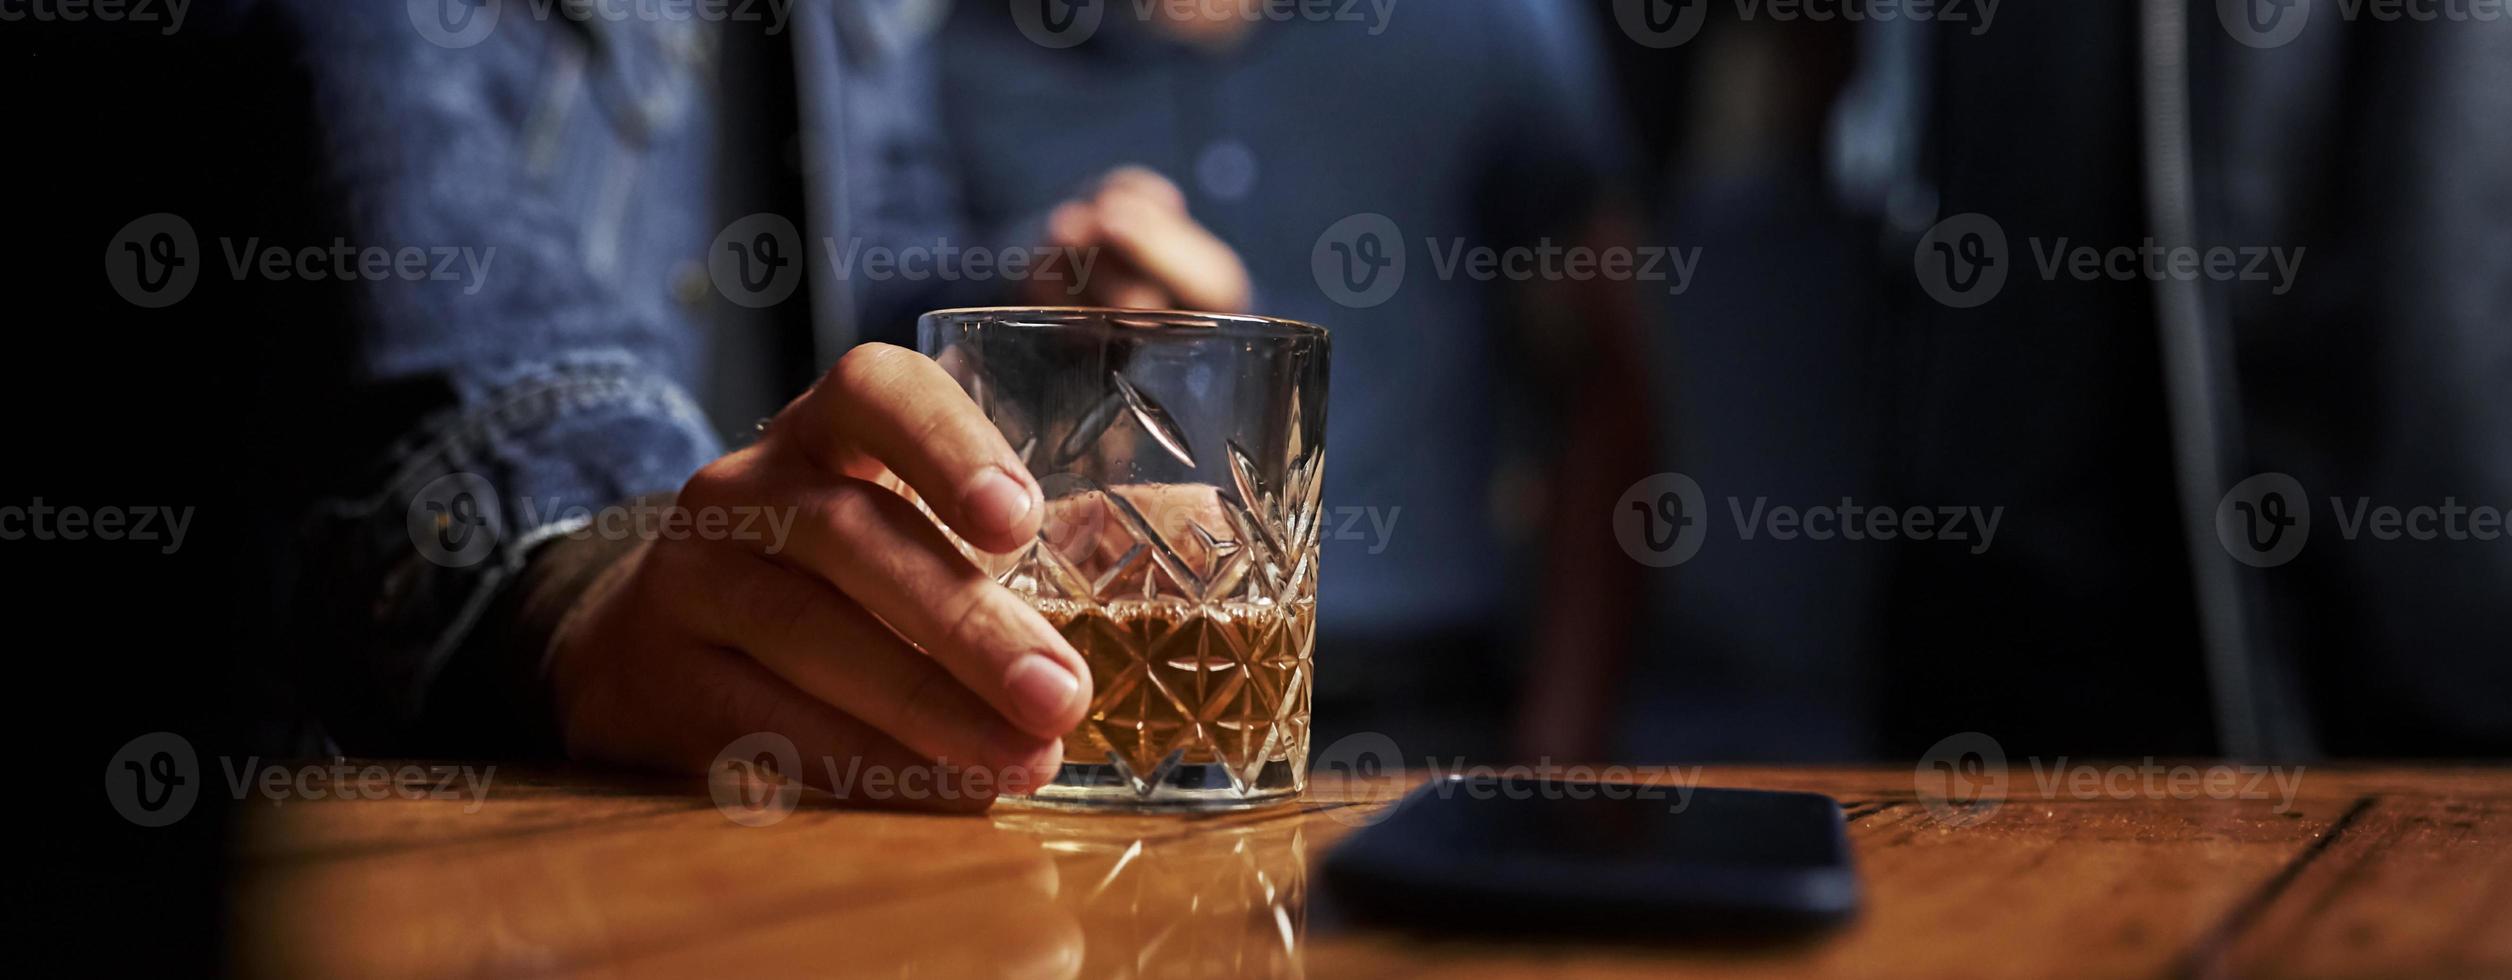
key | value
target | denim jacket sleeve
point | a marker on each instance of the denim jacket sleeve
(555, 173)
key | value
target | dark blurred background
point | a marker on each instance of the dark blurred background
(1805, 362)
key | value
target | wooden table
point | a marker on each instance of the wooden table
(2371, 872)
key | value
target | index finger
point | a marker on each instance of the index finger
(887, 407)
(1175, 251)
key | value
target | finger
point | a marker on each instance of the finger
(886, 407)
(1146, 183)
(1170, 247)
(1126, 291)
(694, 702)
(1111, 281)
(874, 546)
(1073, 224)
(827, 646)
(1060, 290)
(1073, 230)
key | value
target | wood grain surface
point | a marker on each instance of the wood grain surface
(2337, 872)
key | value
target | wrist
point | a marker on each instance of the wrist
(520, 637)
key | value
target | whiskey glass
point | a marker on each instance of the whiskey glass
(1181, 455)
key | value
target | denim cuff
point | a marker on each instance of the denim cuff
(405, 583)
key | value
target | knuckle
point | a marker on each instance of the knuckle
(871, 368)
(714, 483)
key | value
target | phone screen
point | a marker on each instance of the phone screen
(1546, 854)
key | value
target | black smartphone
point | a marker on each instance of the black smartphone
(1534, 855)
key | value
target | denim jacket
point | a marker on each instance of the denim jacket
(591, 166)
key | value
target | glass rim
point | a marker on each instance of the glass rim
(1155, 321)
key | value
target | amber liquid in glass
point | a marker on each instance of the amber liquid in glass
(1219, 682)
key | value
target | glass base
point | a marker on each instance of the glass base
(1178, 786)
